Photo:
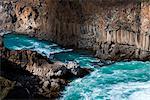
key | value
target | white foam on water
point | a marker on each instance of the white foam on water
(26, 43)
(49, 46)
(120, 84)
(141, 95)
(4, 32)
(130, 91)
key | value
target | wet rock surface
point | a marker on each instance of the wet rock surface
(90, 24)
(118, 52)
(35, 76)
(76, 70)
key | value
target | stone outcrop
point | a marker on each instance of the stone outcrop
(36, 75)
(41, 66)
(91, 24)
(117, 52)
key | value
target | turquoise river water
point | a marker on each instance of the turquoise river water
(119, 81)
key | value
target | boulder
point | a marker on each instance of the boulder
(76, 70)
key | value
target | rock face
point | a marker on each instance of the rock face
(37, 75)
(92, 24)
(41, 66)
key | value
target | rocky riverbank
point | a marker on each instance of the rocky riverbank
(34, 76)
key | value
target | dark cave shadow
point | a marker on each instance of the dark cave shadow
(25, 82)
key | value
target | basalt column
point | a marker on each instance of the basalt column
(114, 29)
(109, 27)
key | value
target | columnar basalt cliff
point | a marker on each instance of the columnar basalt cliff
(113, 28)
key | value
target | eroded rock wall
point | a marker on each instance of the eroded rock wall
(89, 24)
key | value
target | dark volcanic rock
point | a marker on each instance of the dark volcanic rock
(117, 52)
(37, 76)
(76, 70)
(5, 86)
